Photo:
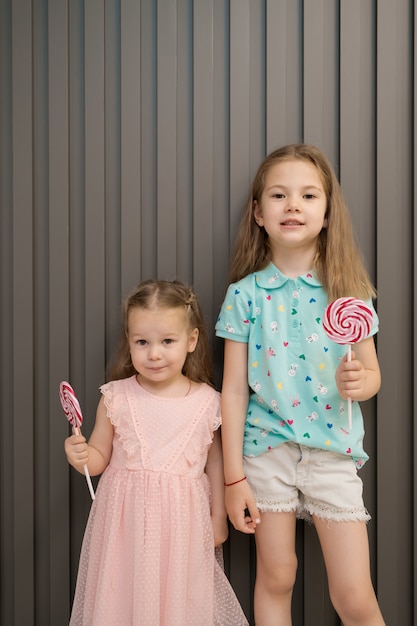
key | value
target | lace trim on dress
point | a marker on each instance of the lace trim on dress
(198, 445)
(121, 419)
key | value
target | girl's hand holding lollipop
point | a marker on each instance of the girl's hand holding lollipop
(74, 415)
(347, 321)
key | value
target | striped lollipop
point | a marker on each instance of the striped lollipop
(70, 405)
(74, 415)
(347, 321)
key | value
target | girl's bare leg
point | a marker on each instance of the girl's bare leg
(345, 550)
(276, 566)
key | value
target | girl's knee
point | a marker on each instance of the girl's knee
(356, 606)
(278, 578)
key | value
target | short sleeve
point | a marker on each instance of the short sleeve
(375, 319)
(234, 318)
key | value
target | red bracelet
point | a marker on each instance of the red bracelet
(235, 483)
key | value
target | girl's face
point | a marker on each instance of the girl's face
(292, 207)
(159, 341)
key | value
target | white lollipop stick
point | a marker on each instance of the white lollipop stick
(86, 472)
(349, 358)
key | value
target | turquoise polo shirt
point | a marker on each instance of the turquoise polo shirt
(291, 365)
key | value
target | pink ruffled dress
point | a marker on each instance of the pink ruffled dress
(147, 557)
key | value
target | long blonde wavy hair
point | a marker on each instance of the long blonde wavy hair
(160, 294)
(338, 262)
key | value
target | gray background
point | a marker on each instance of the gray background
(129, 133)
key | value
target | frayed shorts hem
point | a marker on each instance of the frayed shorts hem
(313, 509)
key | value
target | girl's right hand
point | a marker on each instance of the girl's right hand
(76, 449)
(241, 508)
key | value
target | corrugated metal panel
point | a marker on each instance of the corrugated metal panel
(394, 260)
(129, 134)
(22, 298)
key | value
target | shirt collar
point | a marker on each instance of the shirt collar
(271, 278)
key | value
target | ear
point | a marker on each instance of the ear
(193, 340)
(257, 214)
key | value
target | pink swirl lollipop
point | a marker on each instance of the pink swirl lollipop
(70, 405)
(74, 415)
(347, 321)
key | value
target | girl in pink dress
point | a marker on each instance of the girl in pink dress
(148, 555)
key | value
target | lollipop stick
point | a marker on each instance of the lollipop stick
(86, 472)
(349, 358)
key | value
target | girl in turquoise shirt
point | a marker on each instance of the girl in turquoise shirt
(286, 385)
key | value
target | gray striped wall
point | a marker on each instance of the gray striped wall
(129, 133)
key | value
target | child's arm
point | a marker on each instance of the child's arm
(360, 378)
(235, 396)
(96, 454)
(214, 471)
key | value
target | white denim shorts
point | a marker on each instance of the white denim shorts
(307, 481)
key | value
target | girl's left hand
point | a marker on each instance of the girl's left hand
(351, 378)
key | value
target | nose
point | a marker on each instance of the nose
(292, 204)
(153, 353)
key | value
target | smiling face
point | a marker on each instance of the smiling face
(292, 207)
(159, 341)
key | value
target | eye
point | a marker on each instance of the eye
(309, 196)
(168, 341)
(278, 196)
(141, 342)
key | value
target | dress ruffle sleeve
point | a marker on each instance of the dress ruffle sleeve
(119, 414)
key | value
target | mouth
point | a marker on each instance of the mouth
(292, 223)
